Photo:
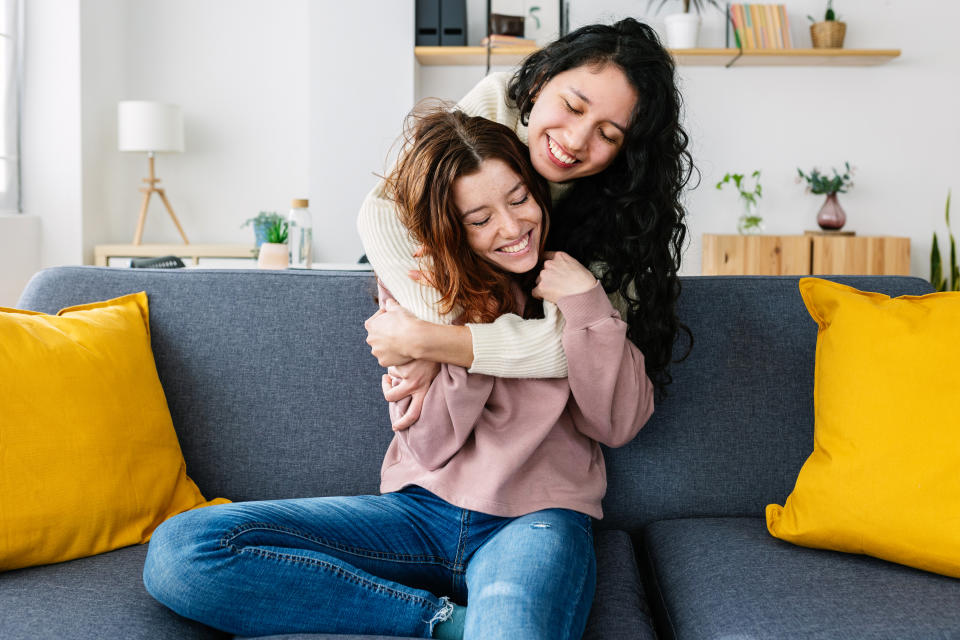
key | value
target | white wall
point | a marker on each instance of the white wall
(896, 123)
(284, 100)
(51, 150)
(19, 255)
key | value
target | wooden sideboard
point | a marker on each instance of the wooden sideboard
(813, 253)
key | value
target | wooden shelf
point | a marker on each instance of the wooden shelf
(103, 252)
(509, 56)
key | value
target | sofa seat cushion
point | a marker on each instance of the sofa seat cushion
(97, 597)
(729, 578)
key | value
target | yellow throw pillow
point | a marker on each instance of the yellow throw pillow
(89, 460)
(884, 475)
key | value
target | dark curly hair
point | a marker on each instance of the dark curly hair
(628, 218)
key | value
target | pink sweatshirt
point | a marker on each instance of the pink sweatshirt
(511, 446)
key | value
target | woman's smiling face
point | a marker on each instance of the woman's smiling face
(579, 120)
(502, 219)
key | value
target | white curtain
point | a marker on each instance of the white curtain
(10, 50)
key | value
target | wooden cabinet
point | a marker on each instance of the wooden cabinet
(810, 254)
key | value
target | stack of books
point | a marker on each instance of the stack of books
(499, 40)
(760, 26)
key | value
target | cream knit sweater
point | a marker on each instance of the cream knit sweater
(509, 347)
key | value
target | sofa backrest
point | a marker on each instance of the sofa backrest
(737, 424)
(274, 393)
(272, 389)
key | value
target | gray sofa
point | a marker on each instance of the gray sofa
(683, 550)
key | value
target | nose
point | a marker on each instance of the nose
(576, 135)
(509, 225)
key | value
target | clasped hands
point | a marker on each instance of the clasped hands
(393, 331)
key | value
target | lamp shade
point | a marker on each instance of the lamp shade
(149, 126)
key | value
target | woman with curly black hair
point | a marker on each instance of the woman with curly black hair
(600, 112)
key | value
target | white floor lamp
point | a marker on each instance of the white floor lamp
(151, 127)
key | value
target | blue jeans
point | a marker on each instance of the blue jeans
(381, 565)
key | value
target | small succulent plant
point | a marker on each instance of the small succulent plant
(277, 234)
(830, 15)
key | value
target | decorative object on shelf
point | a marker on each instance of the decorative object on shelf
(831, 215)
(261, 224)
(750, 222)
(683, 29)
(538, 21)
(939, 282)
(300, 234)
(759, 26)
(274, 253)
(441, 23)
(829, 33)
(152, 127)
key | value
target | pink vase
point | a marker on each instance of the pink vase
(831, 216)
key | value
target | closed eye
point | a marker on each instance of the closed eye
(570, 108)
(479, 223)
(522, 200)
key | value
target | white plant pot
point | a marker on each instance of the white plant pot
(273, 256)
(683, 29)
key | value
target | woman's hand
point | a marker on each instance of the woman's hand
(562, 276)
(411, 380)
(389, 333)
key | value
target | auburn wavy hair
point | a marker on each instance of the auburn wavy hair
(441, 145)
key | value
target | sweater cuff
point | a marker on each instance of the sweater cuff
(581, 310)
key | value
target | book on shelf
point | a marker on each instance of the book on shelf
(758, 26)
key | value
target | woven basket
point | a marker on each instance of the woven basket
(828, 34)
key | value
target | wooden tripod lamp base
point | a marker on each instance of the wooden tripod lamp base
(144, 125)
(147, 192)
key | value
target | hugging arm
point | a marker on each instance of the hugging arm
(509, 347)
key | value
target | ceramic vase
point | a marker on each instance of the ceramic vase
(831, 216)
(273, 256)
(683, 30)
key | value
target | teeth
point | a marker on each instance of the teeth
(560, 155)
(519, 246)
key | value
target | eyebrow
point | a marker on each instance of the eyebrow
(483, 206)
(577, 93)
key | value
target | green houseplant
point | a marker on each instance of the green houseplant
(831, 216)
(274, 253)
(749, 222)
(939, 282)
(261, 223)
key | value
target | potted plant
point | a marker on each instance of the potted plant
(936, 268)
(828, 33)
(749, 222)
(831, 216)
(274, 253)
(683, 29)
(261, 223)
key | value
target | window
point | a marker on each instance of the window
(11, 12)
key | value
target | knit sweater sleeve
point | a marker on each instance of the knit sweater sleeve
(510, 347)
(612, 395)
